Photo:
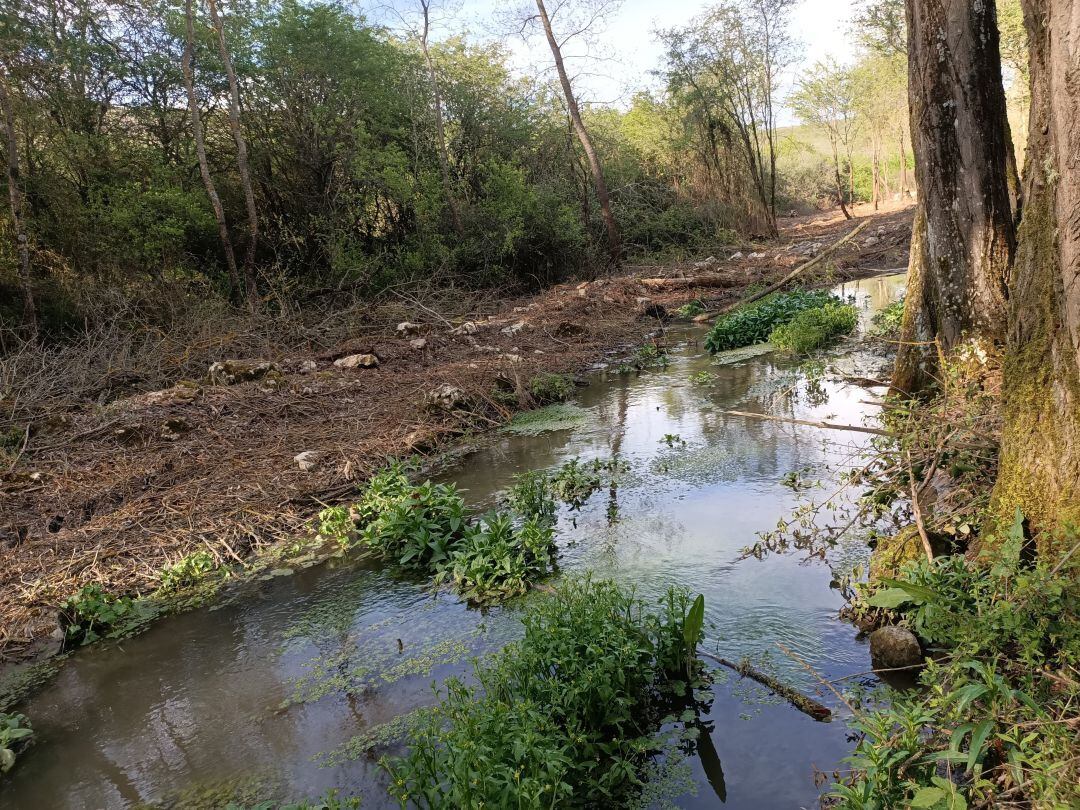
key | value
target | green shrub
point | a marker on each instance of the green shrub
(566, 717)
(754, 323)
(887, 322)
(813, 328)
(576, 481)
(690, 310)
(994, 708)
(92, 612)
(15, 732)
(497, 560)
(187, 571)
(548, 388)
(530, 496)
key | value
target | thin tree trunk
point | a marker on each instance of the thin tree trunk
(839, 181)
(200, 148)
(15, 198)
(903, 162)
(251, 290)
(875, 195)
(440, 128)
(1039, 467)
(957, 105)
(916, 356)
(602, 194)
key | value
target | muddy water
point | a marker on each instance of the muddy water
(268, 695)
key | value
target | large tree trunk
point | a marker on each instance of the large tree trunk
(251, 290)
(200, 148)
(440, 127)
(602, 194)
(15, 198)
(958, 127)
(1040, 451)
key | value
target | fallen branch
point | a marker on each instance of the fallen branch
(814, 672)
(802, 268)
(808, 423)
(804, 704)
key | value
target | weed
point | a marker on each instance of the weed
(548, 388)
(754, 323)
(703, 378)
(672, 439)
(650, 356)
(690, 310)
(497, 560)
(15, 733)
(566, 717)
(886, 323)
(530, 496)
(92, 612)
(576, 481)
(813, 328)
(187, 571)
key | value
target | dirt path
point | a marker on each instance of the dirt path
(126, 489)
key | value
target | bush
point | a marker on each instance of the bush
(887, 322)
(187, 571)
(15, 732)
(754, 323)
(91, 612)
(566, 717)
(497, 560)
(548, 388)
(813, 328)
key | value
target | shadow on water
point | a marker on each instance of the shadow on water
(271, 694)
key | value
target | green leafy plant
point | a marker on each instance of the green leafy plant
(530, 496)
(15, 733)
(703, 378)
(753, 324)
(497, 560)
(90, 613)
(566, 717)
(672, 439)
(549, 388)
(187, 571)
(690, 310)
(576, 481)
(813, 328)
(886, 323)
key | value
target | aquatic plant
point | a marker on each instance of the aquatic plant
(703, 378)
(187, 571)
(498, 559)
(567, 716)
(997, 709)
(576, 481)
(543, 420)
(92, 612)
(15, 732)
(672, 439)
(753, 324)
(548, 388)
(691, 309)
(886, 323)
(530, 496)
(813, 328)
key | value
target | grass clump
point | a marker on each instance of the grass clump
(567, 716)
(753, 324)
(187, 571)
(548, 388)
(813, 328)
(15, 733)
(427, 527)
(994, 724)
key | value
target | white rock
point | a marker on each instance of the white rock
(446, 396)
(514, 328)
(307, 367)
(358, 361)
(418, 343)
(467, 328)
(736, 256)
(307, 461)
(871, 241)
(408, 329)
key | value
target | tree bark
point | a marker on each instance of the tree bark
(1039, 470)
(958, 125)
(200, 148)
(15, 198)
(602, 194)
(916, 356)
(440, 127)
(251, 290)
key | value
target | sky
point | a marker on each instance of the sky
(631, 50)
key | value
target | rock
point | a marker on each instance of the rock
(183, 391)
(307, 461)
(892, 647)
(174, 428)
(882, 230)
(446, 396)
(406, 329)
(467, 328)
(514, 328)
(419, 344)
(358, 361)
(231, 372)
(642, 301)
(870, 241)
(756, 256)
(307, 367)
(582, 292)
(510, 358)
(736, 256)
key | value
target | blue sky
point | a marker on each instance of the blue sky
(631, 48)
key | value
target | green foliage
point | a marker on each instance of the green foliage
(566, 717)
(753, 324)
(497, 560)
(91, 612)
(993, 709)
(188, 571)
(531, 496)
(15, 732)
(690, 310)
(703, 378)
(561, 416)
(813, 328)
(576, 481)
(330, 801)
(548, 388)
(886, 323)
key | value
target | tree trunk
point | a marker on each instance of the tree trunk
(614, 240)
(916, 356)
(200, 148)
(957, 105)
(251, 290)
(440, 128)
(903, 162)
(839, 182)
(1039, 470)
(15, 198)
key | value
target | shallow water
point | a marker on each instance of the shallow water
(260, 694)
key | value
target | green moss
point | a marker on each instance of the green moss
(892, 552)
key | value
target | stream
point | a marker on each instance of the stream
(268, 694)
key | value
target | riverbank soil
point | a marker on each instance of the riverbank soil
(113, 492)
